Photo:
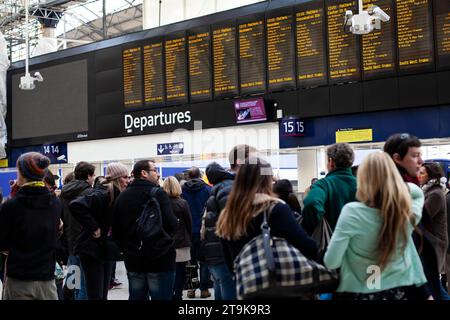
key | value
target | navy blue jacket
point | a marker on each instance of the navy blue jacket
(282, 224)
(196, 192)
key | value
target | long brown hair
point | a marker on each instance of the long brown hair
(380, 186)
(254, 176)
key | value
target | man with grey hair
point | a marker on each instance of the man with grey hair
(328, 195)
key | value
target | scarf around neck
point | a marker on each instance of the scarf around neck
(435, 182)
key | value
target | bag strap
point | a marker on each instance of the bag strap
(267, 242)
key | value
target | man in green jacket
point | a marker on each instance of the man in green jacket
(328, 195)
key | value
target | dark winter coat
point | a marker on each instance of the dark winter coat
(127, 209)
(29, 225)
(183, 235)
(94, 211)
(196, 192)
(223, 183)
(435, 209)
(69, 192)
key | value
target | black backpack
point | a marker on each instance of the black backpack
(153, 240)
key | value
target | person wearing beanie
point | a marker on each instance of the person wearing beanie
(30, 266)
(94, 246)
(116, 170)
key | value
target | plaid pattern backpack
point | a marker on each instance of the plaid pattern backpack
(270, 267)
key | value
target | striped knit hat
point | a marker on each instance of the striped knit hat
(116, 170)
(32, 165)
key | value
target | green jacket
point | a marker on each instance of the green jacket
(327, 197)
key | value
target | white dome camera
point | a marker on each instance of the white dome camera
(27, 81)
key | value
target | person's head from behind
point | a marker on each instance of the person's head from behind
(239, 153)
(194, 173)
(283, 188)
(117, 173)
(405, 150)
(69, 177)
(380, 186)
(146, 170)
(179, 176)
(172, 187)
(430, 171)
(254, 177)
(31, 166)
(85, 171)
(50, 181)
(340, 156)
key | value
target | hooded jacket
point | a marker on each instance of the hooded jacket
(29, 225)
(196, 192)
(223, 183)
(69, 192)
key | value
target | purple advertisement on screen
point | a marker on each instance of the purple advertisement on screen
(250, 110)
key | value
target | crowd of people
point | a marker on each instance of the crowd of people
(390, 215)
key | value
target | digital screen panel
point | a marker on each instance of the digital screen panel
(176, 70)
(48, 110)
(153, 74)
(280, 52)
(378, 47)
(251, 57)
(414, 32)
(250, 110)
(199, 66)
(342, 45)
(132, 77)
(442, 11)
(311, 55)
(224, 61)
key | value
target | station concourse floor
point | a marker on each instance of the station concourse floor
(121, 292)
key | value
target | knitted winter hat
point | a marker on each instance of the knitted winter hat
(32, 165)
(116, 170)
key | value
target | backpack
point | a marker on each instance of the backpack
(153, 240)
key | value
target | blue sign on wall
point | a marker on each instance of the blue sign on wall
(170, 148)
(57, 153)
(425, 123)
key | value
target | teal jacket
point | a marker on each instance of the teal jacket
(327, 197)
(353, 249)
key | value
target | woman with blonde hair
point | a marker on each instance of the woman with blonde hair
(372, 242)
(182, 238)
(241, 219)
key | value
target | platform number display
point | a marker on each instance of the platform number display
(292, 127)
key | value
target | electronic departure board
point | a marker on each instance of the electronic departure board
(132, 77)
(442, 10)
(251, 57)
(414, 32)
(200, 66)
(153, 73)
(378, 47)
(176, 70)
(311, 57)
(224, 61)
(342, 45)
(280, 52)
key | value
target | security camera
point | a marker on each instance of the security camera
(366, 21)
(27, 81)
(380, 14)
